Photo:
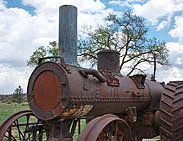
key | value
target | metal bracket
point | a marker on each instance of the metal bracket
(139, 80)
(92, 72)
(110, 78)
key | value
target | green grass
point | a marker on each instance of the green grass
(82, 125)
(158, 137)
(9, 109)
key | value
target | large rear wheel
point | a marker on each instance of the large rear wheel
(171, 112)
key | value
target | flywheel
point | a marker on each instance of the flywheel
(171, 112)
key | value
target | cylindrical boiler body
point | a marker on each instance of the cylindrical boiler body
(66, 91)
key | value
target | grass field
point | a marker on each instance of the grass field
(6, 110)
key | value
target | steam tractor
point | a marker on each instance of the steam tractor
(62, 96)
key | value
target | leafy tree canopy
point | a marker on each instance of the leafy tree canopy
(51, 50)
(126, 34)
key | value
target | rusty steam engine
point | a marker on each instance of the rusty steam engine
(62, 91)
(117, 108)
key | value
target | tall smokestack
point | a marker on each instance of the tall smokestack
(68, 33)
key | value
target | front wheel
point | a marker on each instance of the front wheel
(22, 126)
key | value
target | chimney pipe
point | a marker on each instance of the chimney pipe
(68, 33)
(109, 60)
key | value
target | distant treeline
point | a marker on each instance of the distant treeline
(10, 98)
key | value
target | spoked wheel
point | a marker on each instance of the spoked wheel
(106, 128)
(171, 112)
(22, 126)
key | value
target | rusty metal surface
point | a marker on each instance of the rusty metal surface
(105, 128)
(110, 78)
(108, 60)
(156, 121)
(156, 90)
(47, 91)
(104, 98)
(171, 112)
(145, 126)
(58, 130)
(94, 73)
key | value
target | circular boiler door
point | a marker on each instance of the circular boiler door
(47, 91)
(48, 86)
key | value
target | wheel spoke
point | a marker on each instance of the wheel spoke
(22, 126)
(10, 137)
(29, 134)
(27, 125)
(19, 131)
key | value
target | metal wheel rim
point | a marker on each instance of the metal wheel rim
(106, 128)
(13, 128)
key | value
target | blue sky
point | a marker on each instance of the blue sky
(28, 24)
(19, 4)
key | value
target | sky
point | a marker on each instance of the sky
(26, 25)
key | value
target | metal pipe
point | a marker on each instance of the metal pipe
(68, 33)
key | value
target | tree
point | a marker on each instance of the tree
(126, 34)
(18, 95)
(51, 50)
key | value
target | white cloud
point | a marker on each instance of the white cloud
(174, 70)
(11, 78)
(177, 32)
(120, 3)
(164, 23)
(90, 12)
(20, 34)
(153, 10)
(43, 6)
(125, 3)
